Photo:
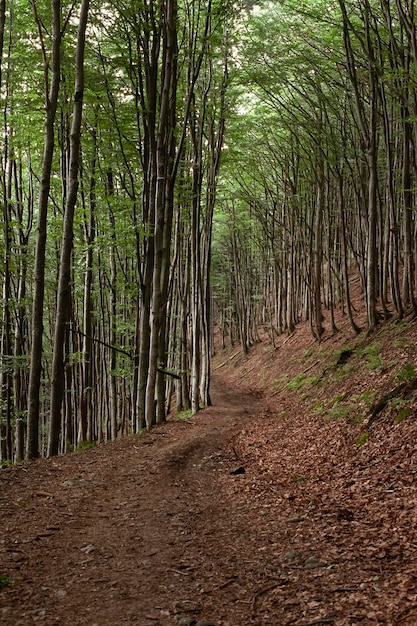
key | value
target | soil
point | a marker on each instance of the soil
(280, 504)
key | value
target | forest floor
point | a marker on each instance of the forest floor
(286, 502)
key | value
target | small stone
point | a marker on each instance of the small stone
(312, 563)
(187, 621)
(87, 549)
(204, 623)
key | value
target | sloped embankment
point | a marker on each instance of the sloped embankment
(333, 481)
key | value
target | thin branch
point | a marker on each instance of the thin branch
(43, 48)
(103, 343)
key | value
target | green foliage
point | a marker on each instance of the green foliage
(5, 581)
(362, 439)
(6, 463)
(403, 414)
(353, 411)
(80, 447)
(297, 383)
(340, 411)
(401, 326)
(317, 407)
(374, 362)
(407, 373)
(396, 403)
(373, 349)
(184, 415)
(85, 445)
(402, 407)
(372, 357)
(297, 478)
(313, 380)
(343, 371)
(367, 398)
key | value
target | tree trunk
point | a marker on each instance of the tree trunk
(85, 426)
(163, 208)
(64, 281)
(40, 246)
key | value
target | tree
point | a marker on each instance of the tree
(52, 71)
(64, 282)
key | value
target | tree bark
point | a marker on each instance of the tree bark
(40, 246)
(64, 281)
(163, 208)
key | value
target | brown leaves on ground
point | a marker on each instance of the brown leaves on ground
(274, 510)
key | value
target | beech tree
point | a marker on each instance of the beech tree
(242, 168)
(332, 181)
(64, 281)
(52, 75)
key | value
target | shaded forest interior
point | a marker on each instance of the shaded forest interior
(172, 168)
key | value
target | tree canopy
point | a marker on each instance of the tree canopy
(167, 167)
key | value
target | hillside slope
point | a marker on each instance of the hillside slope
(333, 474)
(281, 504)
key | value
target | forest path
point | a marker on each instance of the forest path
(252, 513)
(135, 532)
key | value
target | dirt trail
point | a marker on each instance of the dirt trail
(134, 532)
(249, 514)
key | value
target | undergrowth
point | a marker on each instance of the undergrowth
(5, 581)
(184, 415)
(359, 356)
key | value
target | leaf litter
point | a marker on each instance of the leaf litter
(261, 510)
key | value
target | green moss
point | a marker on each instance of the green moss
(363, 438)
(403, 414)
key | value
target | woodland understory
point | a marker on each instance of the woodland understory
(171, 167)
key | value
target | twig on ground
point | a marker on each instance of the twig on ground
(319, 620)
(288, 338)
(236, 454)
(227, 360)
(261, 591)
(228, 582)
(177, 571)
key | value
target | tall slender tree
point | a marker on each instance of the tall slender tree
(52, 75)
(64, 281)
